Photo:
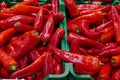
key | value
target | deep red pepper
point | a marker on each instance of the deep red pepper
(89, 63)
(57, 64)
(115, 60)
(72, 8)
(74, 28)
(28, 2)
(48, 29)
(104, 73)
(57, 36)
(9, 22)
(38, 24)
(3, 73)
(37, 65)
(31, 77)
(39, 76)
(3, 5)
(9, 48)
(5, 15)
(116, 76)
(24, 61)
(30, 40)
(6, 35)
(84, 24)
(116, 23)
(21, 27)
(82, 7)
(8, 62)
(109, 15)
(54, 4)
(92, 17)
(47, 6)
(84, 41)
(7, 10)
(104, 60)
(48, 67)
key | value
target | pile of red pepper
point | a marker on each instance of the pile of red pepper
(94, 38)
(28, 33)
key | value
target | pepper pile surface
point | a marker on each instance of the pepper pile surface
(94, 38)
(28, 33)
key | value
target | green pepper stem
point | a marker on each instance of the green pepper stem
(16, 25)
(113, 61)
(13, 68)
(77, 31)
(101, 64)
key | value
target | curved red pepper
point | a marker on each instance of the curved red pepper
(9, 22)
(54, 4)
(24, 61)
(48, 29)
(30, 40)
(21, 27)
(72, 8)
(8, 62)
(28, 2)
(89, 63)
(115, 60)
(104, 73)
(9, 48)
(38, 24)
(31, 69)
(6, 35)
(47, 6)
(84, 41)
(57, 36)
(5, 15)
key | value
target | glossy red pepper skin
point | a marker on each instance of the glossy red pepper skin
(54, 6)
(39, 76)
(3, 73)
(21, 27)
(89, 63)
(116, 75)
(8, 62)
(28, 2)
(72, 8)
(9, 48)
(107, 34)
(3, 5)
(102, 26)
(84, 24)
(57, 36)
(47, 6)
(115, 61)
(38, 24)
(31, 69)
(5, 15)
(24, 61)
(30, 40)
(84, 41)
(48, 67)
(48, 29)
(74, 28)
(110, 52)
(6, 35)
(104, 72)
(82, 7)
(116, 23)
(92, 17)
(9, 22)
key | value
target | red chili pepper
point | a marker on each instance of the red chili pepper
(92, 17)
(9, 48)
(116, 23)
(38, 24)
(89, 63)
(8, 62)
(57, 36)
(21, 27)
(82, 7)
(102, 26)
(104, 9)
(107, 34)
(47, 6)
(109, 15)
(48, 29)
(3, 73)
(115, 60)
(7, 10)
(116, 76)
(6, 35)
(84, 24)
(3, 5)
(57, 64)
(28, 2)
(5, 15)
(24, 61)
(74, 28)
(110, 52)
(54, 6)
(31, 77)
(104, 73)
(104, 60)
(72, 8)
(39, 76)
(84, 41)
(9, 22)
(31, 69)
(48, 65)
(30, 40)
